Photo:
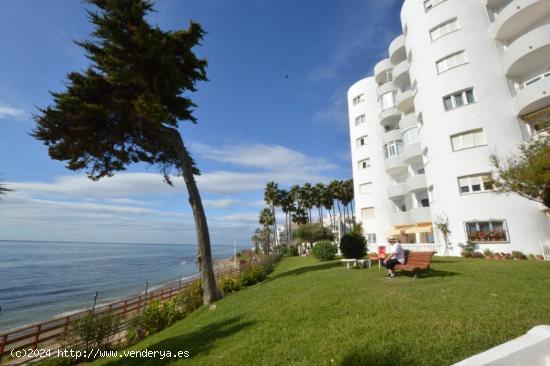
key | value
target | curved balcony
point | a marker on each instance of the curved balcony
(406, 101)
(392, 135)
(380, 70)
(400, 218)
(397, 50)
(416, 183)
(518, 16)
(395, 164)
(421, 214)
(397, 190)
(401, 74)
(533, 97)
(529, 52)
(389, 117)
(412, 152)
(385, 88)
(408, 120)
(493, 4)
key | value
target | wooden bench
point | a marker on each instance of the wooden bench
(416, 261)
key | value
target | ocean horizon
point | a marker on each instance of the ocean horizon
(44, 279)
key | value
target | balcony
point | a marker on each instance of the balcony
(518, 16)
(392, 135)
(533, 97)
(385, 88)
(421, 214)
(389, 117)
(395, 164)
(529, 52)
(408, 120)
(400, 218)
(406, 101)
(397, 190)
(412, 152)
(401, 74)
(381, 69)
(397, 50)
(416, 183)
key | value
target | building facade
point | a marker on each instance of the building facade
(466, 79)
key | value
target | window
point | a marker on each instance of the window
(365, 188)
(453, 60)
(491, 231)
(459, 99)
(361, 141)
(364, 164)
(393, 148)
(367, 213)
(475, 183)
(371, 238)
(444, 28)
(429, 4)
(425, 202)
(358, 99)
(360, 120)
(410, 136)
(468, 139)
(388, 100)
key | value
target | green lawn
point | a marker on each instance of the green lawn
(313, 313)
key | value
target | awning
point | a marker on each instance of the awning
(398, 230)
(420, 229)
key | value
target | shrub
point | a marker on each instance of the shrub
(94, 332)
(468, 249)
(518, 255)
(532, 257)
(477, 255)
(190, 298)
(157, 316)
(253, 275)
(324, 250)
(229, 285)
(289, 251)
(311, 233)
(353, 245)
(488, 252)
(269, 261)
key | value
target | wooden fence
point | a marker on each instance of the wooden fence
(47, 335)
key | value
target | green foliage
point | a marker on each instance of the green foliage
(527, 173)
(469, 249)
(158, 316)
(353, 245)
(229, 285)
(357, 228)
(324, 250)
(190, 298)
(94, 332)
(289, 251)
(311, 233)
(488, 252)
(253, 275)
(518, 255)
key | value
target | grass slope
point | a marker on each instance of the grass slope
(320, 313)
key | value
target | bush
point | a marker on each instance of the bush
(289, 251)
(488, 252)
(269, 261)
(253, 275)
(94, 332)
(158, 316)
(229, 285)
(477, 255)
(312, 233)
(469, 249)
(353, 245)
(532, 257)
(190, 298)
(324, 250)
(518, 255)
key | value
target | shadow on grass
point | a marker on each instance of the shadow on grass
(198, 342)
(306, 269)
(427, 274)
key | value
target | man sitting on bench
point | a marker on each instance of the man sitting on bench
(397, 257)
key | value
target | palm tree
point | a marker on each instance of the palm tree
(299, 216)
(266, 219)
(287, 204)
(328, 203)
(306, 198)
(349, 195)
(271, 199)
(335, 188)
(256, 239)
(318, 199)
(295, 192)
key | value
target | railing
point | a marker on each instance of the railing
(545, 247)
(423, 247)
(48, 334)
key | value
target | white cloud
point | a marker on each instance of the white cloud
(10, 112)
(230, 202)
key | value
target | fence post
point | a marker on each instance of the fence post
(139, 304)
(66, 327)
(37, 336)
(125, 308)
(145, 301)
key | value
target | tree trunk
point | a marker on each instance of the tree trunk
(275, 236)
(204, 256)
(321, 211)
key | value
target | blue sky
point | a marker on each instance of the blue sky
(255, 124)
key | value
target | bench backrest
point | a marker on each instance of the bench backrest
(420, 259)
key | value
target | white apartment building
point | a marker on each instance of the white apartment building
(466, 79)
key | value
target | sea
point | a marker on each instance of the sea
(41, 280)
